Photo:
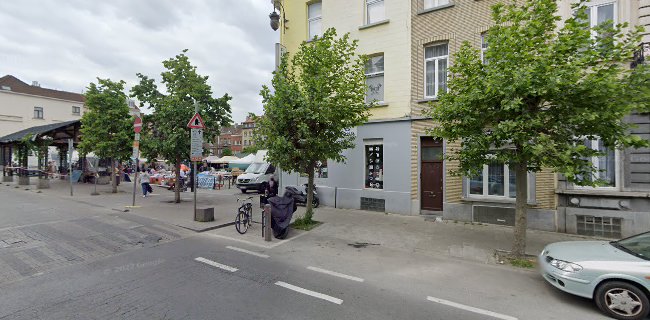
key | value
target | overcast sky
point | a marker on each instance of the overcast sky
(65, 44)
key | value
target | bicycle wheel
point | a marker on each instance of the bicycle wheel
(242, 222)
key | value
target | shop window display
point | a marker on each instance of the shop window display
(374, 166)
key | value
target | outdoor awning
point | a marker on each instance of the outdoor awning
(60, 133)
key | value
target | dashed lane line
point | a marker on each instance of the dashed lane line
(216, 264)
(471, 309)
(336, 274)
(309, 292)
(253, 253)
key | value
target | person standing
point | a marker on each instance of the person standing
(144, 182)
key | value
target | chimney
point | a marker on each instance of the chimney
(35, 84)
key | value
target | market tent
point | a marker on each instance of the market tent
(245, 160)
(211, 159)
(226, 159)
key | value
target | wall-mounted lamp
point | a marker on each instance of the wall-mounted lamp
(275, 17)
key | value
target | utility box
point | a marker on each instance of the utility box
(204, 214)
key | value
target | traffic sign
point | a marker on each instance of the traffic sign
(196, 122)
(196, 152)
(137, 125)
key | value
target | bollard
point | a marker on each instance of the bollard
(268, 233)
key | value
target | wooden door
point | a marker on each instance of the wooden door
(431, 182)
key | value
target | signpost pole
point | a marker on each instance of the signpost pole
(135, 180)
(70, 149)
(196, 151)
(137, 127)
(196, 111)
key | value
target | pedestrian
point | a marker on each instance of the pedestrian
(272, 188)
(144, 181)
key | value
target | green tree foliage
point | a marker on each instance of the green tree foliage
(107, 126)
(165, 131)
(318, 97)
(251, 149)
(226, 152)
(541, 92)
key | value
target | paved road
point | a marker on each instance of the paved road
(82, 262)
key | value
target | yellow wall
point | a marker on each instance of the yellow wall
(391, 39)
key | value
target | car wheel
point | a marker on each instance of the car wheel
(622, 300)
(243, 190)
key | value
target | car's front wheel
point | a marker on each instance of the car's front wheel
(622, 300)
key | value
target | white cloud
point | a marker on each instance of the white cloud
(67, 44)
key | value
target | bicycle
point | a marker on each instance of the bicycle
(244, 217)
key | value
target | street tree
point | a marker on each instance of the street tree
(540, 93)
(226, 152)
(107, 126)
(318, 98)
(165, 131)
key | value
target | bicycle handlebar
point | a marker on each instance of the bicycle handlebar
(249, 198)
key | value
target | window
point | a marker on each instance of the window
(374, 166)
(435, 64)
(38, 112)
(76, 110)
(500, 182)
(484, 47)
(599, 13)
(605, 165)
(375, 79)
(607, 227)
(428, 4)
(375, 11)
(314, 20)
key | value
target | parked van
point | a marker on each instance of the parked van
(257, 175)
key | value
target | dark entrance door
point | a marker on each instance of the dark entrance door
(431, 175)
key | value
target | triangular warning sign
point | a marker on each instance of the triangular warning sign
(196, 122)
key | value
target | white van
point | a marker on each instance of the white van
(257, 175)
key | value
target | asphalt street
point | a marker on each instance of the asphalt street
(61, 259)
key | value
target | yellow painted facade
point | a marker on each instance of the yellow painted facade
(392, 39)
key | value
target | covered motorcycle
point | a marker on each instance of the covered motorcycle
(282, 209)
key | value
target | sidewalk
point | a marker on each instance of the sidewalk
(159, 205)
(356, 227)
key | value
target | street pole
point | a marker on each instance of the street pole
(70, 149)
(196, 110)
(135, 179)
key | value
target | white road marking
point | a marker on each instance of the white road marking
(261, 255)
(471, 309)
(216, 264)
(309, 292)
(336, 274)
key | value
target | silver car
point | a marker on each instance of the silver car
(616, 274)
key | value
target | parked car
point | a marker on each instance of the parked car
(615, 274)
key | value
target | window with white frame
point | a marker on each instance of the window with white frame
(374, 166)
(76, 110)
(605, 166)
(599, 12)
(314, 22)
(38, 112)
(428, 4)
(495, 180)
(375, 11)
(375, 79)
(484, 46)
(435, 66)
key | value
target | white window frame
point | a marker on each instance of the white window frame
(76, 110)
(483, 47)
(313, 19)
(596, 164)
(593, 6)
(41, 112)
(486, 186)
(376, 74)
(435, 72)
(374, 2)
(435, 4)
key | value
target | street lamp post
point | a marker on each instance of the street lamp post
(275, 17)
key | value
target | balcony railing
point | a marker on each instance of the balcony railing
(640, 54)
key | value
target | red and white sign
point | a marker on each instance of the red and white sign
(137, 125)
(196, 122)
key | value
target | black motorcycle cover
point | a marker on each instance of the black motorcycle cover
(282, 209)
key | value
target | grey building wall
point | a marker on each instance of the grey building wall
(345, 185)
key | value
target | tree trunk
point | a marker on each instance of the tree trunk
(310, 193)
(113, 178)
(177, 185)
(521, 212)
